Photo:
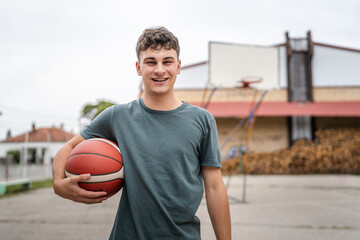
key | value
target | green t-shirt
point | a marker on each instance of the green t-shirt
(163, 152)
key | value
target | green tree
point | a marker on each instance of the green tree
(8, 133)
(90, 111)
(15, 156)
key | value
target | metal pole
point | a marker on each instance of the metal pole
(244, 188)
(25, 155)
(7, 166)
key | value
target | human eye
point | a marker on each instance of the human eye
(150, 62)
(168, 61)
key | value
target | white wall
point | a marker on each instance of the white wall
(192, 77)
(335, 67)
(331, 67)
(51, 148)
(282, 67)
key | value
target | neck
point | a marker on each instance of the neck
(161, 103)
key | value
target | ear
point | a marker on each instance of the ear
(179, 67)
(138, 70)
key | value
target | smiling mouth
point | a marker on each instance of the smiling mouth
(159, 79)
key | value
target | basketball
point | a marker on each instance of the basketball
(102, 159)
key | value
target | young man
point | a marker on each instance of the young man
(169, 147)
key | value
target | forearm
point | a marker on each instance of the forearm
(58, 167)
(218, 207)
(217, 202)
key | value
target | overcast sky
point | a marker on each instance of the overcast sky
(56, 56)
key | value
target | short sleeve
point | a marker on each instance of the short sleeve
(100, 127)
(210, 151)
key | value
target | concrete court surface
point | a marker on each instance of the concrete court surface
(277, 207)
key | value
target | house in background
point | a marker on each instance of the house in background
(305, 86)
(38, 146)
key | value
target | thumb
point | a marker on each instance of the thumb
(85, 176)
(82, 177)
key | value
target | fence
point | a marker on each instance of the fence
(31, 171)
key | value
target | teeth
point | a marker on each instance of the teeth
(159, 80)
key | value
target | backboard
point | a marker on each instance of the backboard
(229, 64)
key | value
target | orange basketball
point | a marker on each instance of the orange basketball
(102, 159)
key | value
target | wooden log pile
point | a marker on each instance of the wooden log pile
(333, 151)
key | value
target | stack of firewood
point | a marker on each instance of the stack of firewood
(333, 151)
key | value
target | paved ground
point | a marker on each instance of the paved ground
(277, 207)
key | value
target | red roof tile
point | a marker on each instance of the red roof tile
(52, 134)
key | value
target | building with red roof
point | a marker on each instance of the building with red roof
(37, 146)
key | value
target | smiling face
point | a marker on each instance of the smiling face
(159, 69)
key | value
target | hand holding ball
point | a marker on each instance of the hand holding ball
(102, 159)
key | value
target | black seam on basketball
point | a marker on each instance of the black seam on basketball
(95, 154)
(114, 190)
(72, 172)
(103, 181)
(107, 141)
(102, 174)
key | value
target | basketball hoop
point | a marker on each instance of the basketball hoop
(246, 81)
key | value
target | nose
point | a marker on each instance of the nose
(159, 70)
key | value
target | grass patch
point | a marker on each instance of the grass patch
(41, 184)
(15, 189)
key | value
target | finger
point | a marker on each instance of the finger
(89, 197)
(82, 195)
(90, 194)
(74, 180)
(90, 200)
(79, 178)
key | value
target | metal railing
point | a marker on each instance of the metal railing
(30, 171)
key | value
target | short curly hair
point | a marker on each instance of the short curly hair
(156, 38)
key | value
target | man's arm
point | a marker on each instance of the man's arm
(217, 202)
(68, 187)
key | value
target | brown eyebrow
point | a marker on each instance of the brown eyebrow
(149, 58)
(152, 58)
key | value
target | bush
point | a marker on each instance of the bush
(15, 154)
(333, 151)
